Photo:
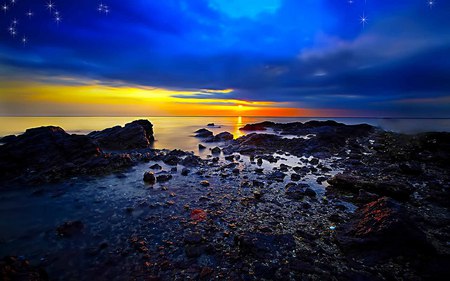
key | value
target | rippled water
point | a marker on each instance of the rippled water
(176, 132)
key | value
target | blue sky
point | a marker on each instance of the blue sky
(313, 54)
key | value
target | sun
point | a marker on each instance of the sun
(240, 107)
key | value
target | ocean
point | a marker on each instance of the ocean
(177, 132)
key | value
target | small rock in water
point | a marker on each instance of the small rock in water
(215, 150)
(204, 183)
(164, 178)
(201, 146)
(149, 177)
(185, 172)
(156, 167)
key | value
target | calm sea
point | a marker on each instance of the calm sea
(176, 132)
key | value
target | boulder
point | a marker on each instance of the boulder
(382, 229)
(224, 136)
(134, 135)
(149, 177)
(203, 133)
(298, 191)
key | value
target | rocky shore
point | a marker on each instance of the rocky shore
(296, 201)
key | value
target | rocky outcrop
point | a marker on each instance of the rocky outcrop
(354, 183)
(49, 154)
(382, 229)
(137, 134)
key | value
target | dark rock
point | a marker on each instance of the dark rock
(156, 167)
(366, 197)
(171, 159)
(201, 146)
(49, 154)
(224, 136)
(382, 229)
(211, 125)
(276, 176)
(163, 178)
(314, 161)
(297, 191)
(257, 127)
(190, 161)
(137, 134)
(215, 150)
(70, 228)
(354, 183)
(185, 172)
(7, 139)
(263, 245)
(203, 133)
(149, 177)
(310, 192)
(229, 158)
(295, 177)
(18, 269)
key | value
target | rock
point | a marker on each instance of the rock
(137, 134)
(191, 161)
(295, 177)
(224, 136)
(171, 160)
(203, 133)
(215, 150)
(211, 125)
(70, 228)
(185, 172)
(149, 177)
(314, 161)
(263, 245)
(229, 158)
(366, 197)
(163, 178)
(7, 139)
(201, 146)
(382, 229)
(276, 176)
(204, 183)
(310, 192)
(353, 183)
(48, 154)
(297, 191)
(257, 127)
(156, 167)
(16, 268)
(257, 194)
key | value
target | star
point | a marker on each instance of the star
(14, 22)
(58, 19)
(50, 5)
(363, 20)
(5, 7)
(24, 40)
(13, 2)
(29, 13)
(431, 3)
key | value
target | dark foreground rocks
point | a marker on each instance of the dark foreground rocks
(14, 268)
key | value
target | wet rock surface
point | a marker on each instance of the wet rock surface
(137, 134)
(315, 201)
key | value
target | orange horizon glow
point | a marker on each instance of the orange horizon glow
(95, 99)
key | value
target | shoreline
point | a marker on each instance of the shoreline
(258, 207)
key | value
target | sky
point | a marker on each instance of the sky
(316, 58)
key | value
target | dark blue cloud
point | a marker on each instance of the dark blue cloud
(314, 53)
